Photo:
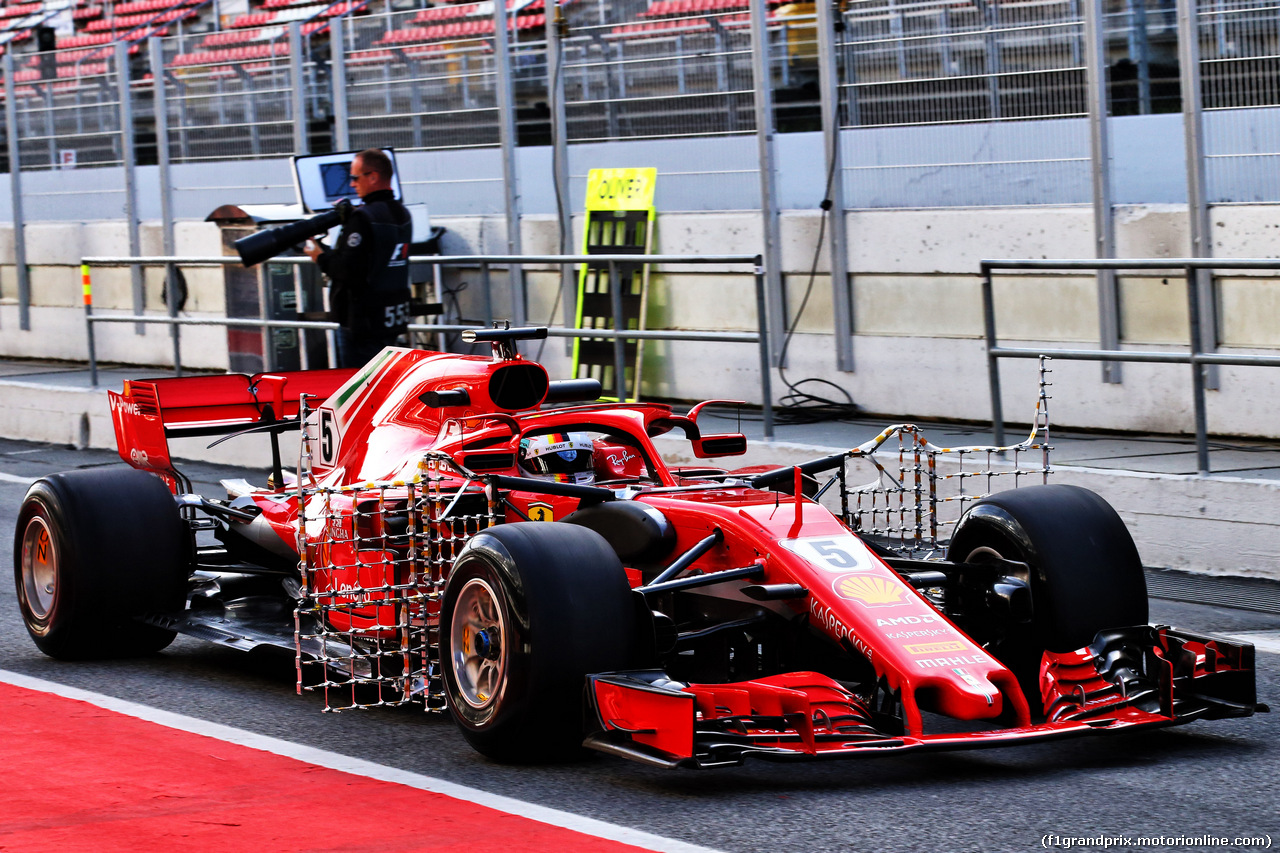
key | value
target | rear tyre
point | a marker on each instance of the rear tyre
(531, 609)
(1085, 573)
(92, 551)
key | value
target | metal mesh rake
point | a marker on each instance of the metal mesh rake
(375, 559)
(926, 488)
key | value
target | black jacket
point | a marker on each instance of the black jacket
(369, 268)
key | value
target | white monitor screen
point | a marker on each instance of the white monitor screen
(322, 179)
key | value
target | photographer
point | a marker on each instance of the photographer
(369, 268)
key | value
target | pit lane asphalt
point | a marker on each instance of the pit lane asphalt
(1210, 778)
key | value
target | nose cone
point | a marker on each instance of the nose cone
(961, 689)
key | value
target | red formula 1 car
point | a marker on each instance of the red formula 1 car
(462, 532)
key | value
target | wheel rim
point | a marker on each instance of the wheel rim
(478, 643)
(984, 554)
(39, 568)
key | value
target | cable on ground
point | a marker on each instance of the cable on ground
(811, 400)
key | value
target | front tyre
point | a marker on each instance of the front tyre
(1085, 573)
(93, 550)
(531, 609)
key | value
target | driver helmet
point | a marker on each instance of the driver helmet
(562, 457)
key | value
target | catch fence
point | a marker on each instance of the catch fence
(921, 104)
(431, 79)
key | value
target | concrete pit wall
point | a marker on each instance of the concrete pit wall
(918, 345)
(54, 250)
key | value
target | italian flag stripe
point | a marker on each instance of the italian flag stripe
(358, 381)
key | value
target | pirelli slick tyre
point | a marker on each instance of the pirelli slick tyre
(92, 551)
(1085, 573)
(530, 609)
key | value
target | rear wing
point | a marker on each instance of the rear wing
(150, 411)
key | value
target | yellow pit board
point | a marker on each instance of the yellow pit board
(620, 217)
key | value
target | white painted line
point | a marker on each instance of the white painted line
(1263, 641)
(34, 385)
(360, 767)
(14, 478)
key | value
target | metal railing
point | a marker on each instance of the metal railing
(618, 334)
(1196, 355)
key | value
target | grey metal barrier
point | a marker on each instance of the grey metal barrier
(485, 262)
(1196, 354)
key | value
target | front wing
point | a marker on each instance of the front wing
(1141, 677)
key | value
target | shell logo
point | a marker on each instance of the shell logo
(871, 591)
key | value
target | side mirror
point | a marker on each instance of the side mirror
(696, 410)
(725, 444)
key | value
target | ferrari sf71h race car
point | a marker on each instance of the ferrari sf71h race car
(464, 533)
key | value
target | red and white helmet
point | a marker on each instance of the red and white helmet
(562, 457)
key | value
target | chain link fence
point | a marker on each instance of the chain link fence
(223, 97)
(418, 80)
(973, 102)
(1239, 65)
(940, 103)
(657, 77)
(934, 62)
(68, 109)
(1240, 91)
(676, 70)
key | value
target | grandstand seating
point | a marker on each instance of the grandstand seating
(141, 6)
(124, 23)
(678, 17)
(234, 54)
(455, 31)
(97, 26)
(86, 40)
(24, 9)
(659, 51)
(452, 21)
(449, 11)
(295, 12)
(227, 38)
(17, 27)
(75, 63)
(283, 4)
(262, 35)
(65, 72)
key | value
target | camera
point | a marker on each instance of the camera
(266, 244)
